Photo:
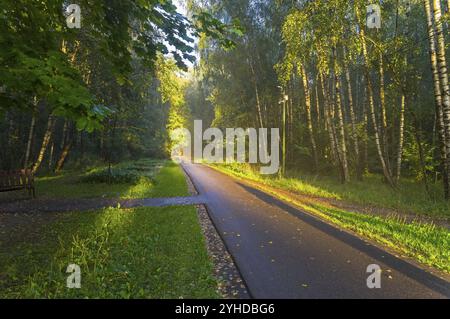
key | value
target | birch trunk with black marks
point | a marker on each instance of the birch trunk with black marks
(309, 122)
(329, 122)
(400, 139)
(258, 101)
(444, 82)
(318, 112)
(342, 135)
(437, 96)
(353, 124)
(365, 159)
(384, 125)
(371, 103)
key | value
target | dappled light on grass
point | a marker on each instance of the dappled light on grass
(426, 242)
(141, 253)
(297, 185)
(134, 253)
(50, 178)
(302, 187)
(410, 198)
(143, 189)
(130, 180)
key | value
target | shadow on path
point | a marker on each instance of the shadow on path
(408, 269)
(69, 205)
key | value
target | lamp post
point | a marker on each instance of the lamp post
(284, 99)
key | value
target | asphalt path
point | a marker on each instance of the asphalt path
(283, 252)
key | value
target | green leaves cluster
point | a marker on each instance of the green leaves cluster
(74, 71)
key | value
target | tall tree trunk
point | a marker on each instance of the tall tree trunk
(309, 122)
(342, 137)
(382, 99)
(353, 124)
(258, 101)
(45, 142)
(437, 97)
(370, 99)
(30, 137)
(258, 106)
(64, 134)
(418, 137)
(443, 76)
(384, 125)
(317, 103)
(329, 122)
(365, 160)
(64, 154)
(290, 117)
(400, 139)
(65, 147)
(50, 156)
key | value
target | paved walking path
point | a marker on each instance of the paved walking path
(69, 205)
(283, 252)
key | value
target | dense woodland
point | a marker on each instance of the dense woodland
(92, 94)
(360, 101)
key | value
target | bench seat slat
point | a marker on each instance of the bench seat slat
(17, 180)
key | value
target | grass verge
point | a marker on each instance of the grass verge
(131, 180)
(411, 197)
(138, 253)
(424, 242)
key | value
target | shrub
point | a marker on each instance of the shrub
(126, 173)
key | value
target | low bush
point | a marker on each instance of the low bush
(125, 173)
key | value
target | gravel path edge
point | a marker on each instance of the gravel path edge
(230, 282)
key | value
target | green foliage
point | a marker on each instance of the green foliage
(127, 173)
(212, 27)
(76, 73)
(52, 79)
(413, 160)
(115, 176)
(172, 88)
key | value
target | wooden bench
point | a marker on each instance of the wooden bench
(17, 180)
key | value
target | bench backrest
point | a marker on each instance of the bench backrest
(16, 178)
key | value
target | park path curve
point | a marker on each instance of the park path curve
(283, 252)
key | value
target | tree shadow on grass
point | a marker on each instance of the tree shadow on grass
(138, 253)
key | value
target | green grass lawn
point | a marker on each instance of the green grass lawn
(138, 253)
(139, 179)
(411, 196)
(427, 243)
